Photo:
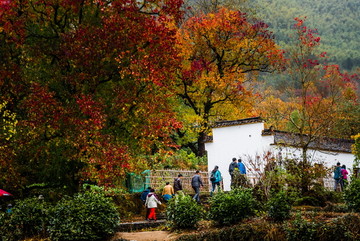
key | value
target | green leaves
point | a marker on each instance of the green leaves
(86, 216)
(352, 195)
(232, 207)
(279, 206)
(183, 211)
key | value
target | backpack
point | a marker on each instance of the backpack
(212, 177)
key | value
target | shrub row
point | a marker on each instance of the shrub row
(85, 216)
(225, 208)
(343, 228)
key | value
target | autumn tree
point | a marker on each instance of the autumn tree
(220, 51)
(312, 102)
(81, 78)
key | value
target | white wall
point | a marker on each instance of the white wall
(328, 158)
(245, 141)
(235, 141)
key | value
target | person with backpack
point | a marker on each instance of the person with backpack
(337, 176)
(151, 204)
(215, 179)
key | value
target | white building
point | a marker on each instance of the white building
(247, 139)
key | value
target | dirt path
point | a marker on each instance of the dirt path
(145, 236)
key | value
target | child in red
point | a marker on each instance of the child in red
(151, 203)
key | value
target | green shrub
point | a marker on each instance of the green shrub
(301, 229)
(336, 207)
(86, 216)
(345, 227)
(352, 195)
(307, 201)
(279, 207)
(28, 218)
(232, 207)
(183, 212)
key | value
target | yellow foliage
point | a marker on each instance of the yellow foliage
(218, 50)
(8, 122)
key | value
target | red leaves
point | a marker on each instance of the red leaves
(94, 117)
(42, 107)
(107, 163)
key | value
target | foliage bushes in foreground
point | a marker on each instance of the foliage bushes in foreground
(352, 195)
(183, 212)
(28, 218)
(279, 206)
(86, 216)
(232, 207)
(342, 228)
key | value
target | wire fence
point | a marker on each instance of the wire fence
(157, 179)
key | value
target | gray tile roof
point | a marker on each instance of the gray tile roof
(237, 122)
(319, 143)
(291, 139)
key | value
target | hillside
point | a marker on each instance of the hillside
(337, 22)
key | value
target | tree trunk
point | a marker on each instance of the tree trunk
(201, 144)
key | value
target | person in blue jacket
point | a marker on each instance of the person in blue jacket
(215, 179)
(337, 176)
(242, 167)
(143, 196)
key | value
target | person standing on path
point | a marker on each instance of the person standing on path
(215, 179)
(344, 177)
(232, 168)
(242, 167)
(151, 203)
(143, 197)
(196, 183)
(178, 183)
(337, 176)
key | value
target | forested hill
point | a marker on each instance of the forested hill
(338, 24)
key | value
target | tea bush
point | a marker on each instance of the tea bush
(345, 227)
(232, 207)
(352, 195)
(86, 216)
(29, 217)
(183, 212)
(302, 230)
(279, 206)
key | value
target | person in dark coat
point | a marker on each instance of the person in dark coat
(196, 183)
(144, 194)
(233, 167)
(178, 184)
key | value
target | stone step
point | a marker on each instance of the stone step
(133, 226)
